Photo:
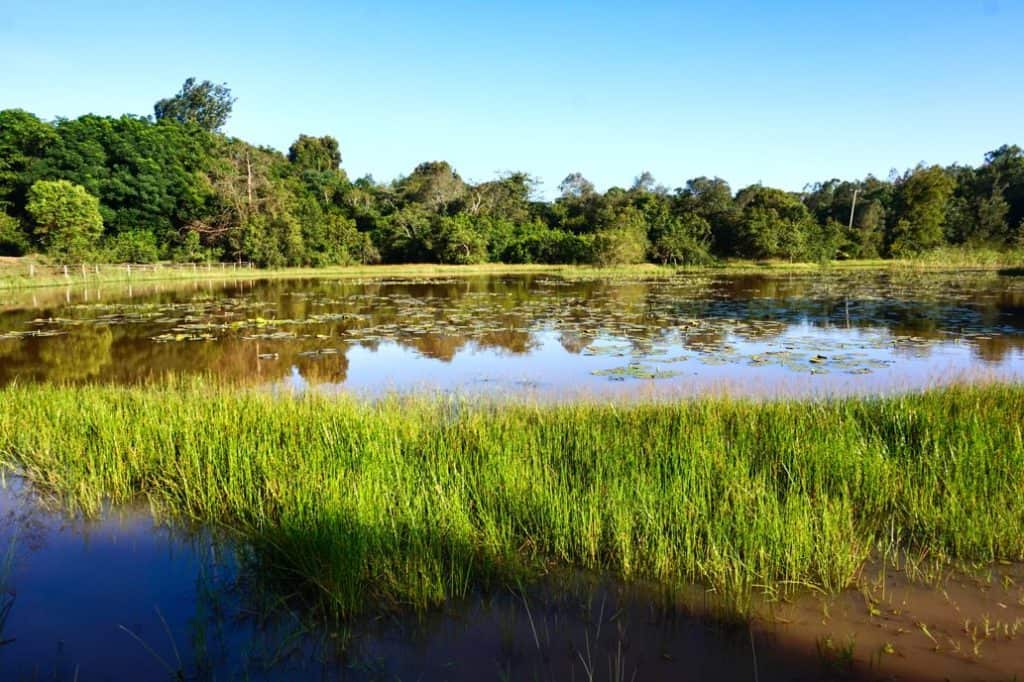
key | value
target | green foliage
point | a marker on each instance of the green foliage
(24, 140)
(775, 224)
(203, 104)
(461, 240)
(177, 187)
(683, 241)
(190, 250)
(13, 240)
(67, 219)
(318, 154)
(920, 212)
(409, 503)
(135, 246)
(621, 237)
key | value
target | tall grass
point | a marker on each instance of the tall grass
(409, 502)
(15, 273)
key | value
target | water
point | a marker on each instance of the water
(128, 598)
(538, 335)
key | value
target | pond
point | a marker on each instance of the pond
(126, 597)
(810, 334)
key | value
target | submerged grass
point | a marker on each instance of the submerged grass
(409, 502)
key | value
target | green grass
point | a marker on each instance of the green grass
(14, 272)
(407, 503)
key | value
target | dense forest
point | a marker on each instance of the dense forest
(173, 186)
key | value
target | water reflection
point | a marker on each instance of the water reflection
(126, 598)
(839, 332)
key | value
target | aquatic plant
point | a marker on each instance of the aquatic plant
(408, 502)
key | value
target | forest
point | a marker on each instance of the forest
(173, 186)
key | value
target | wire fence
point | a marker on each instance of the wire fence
(87, 271)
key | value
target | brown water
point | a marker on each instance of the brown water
(792, 335)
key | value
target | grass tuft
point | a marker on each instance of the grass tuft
(409, 502)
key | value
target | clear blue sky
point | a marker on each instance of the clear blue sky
(780, 92)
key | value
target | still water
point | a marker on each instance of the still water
(827, 333)
(130, 597)
(126, 597)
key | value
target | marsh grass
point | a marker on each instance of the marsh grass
(408, 502)
(15, 272)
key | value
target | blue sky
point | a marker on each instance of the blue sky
(784, 93)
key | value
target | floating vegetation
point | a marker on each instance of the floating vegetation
(826, 326)
(634, 371)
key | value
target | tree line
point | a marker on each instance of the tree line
(172, 186)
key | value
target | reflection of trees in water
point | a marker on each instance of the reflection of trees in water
(80, 354)
(575, 343)
(997, 348)
(437, 346)
(440, 318)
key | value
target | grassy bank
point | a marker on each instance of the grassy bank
(411, 502)
(23, 273)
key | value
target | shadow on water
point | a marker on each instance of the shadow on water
(128, 598)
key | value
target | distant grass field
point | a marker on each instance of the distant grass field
(406, 503)
(31, 272)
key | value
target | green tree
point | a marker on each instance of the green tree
(318, 154)
(67, 218)
(460, 240)
(204, 104)
(920, 212)
(24, 139)
(621, 237)
(683, 240)
(775, 224)
(135, 246)
(13, 240)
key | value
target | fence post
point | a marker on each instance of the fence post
(32, 270)
(65, 272)
(129, 267)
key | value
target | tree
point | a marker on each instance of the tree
(621, 237)
(24, 139)
(67, 218)
(919, 220)
(318, 154)
(775, 224)
(13, 240)
(683, 240)
(204, 104)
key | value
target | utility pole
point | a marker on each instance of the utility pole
(853, 206)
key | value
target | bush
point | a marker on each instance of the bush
(136, 246)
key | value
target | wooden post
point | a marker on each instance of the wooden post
(32, 270)
(129, 267)
(83, 271)
(853, 205)
(65, 272)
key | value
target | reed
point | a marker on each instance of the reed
(17, 274)
(408, 502)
